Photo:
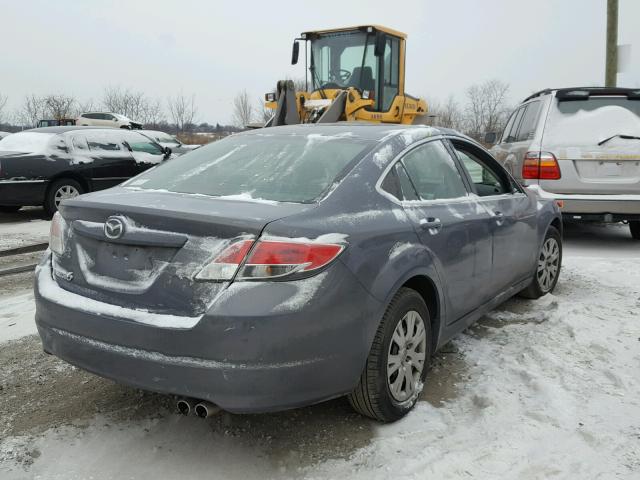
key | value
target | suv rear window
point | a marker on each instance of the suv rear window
(586, 122)
(279, 168)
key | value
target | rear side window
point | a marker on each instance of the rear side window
(510, 132)
(103, 142)
(80, 143)
(433, 172)
(286, 168)
(529, 122)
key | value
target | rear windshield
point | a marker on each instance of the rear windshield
(26, 142)
(586, 122)
(268, 167)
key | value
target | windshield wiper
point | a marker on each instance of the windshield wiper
(626, 137)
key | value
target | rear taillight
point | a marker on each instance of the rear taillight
(269, 259)
(224, 266)
(540, 166)
(56, 234)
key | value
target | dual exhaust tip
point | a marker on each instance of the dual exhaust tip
(204, 409)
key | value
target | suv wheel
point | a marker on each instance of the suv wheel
(549, 262)
(398, 361)
(60, 190)
(634, 227)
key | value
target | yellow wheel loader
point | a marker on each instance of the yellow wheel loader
(352, 74)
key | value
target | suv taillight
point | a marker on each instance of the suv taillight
(540, 166)
(269, 259)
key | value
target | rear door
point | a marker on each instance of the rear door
(512, 215)
(111, 161)
(450, 224)
(586, 137)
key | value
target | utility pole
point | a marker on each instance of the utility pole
(612, 44)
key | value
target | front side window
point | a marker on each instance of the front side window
(433, 172)
(286, 168)
(486, 181)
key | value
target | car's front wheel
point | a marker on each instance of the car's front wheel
(398, 360)
(548, 269)
(634, 228)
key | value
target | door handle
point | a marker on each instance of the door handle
(499, 216)
(432, 224)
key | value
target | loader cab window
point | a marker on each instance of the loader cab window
(391, 72)
(345, 59)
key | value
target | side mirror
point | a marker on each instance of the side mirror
(295, 53)
(167, 152)
(490, 138)
(381, 40)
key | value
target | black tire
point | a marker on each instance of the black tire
(634, 228)
(50, 197)
(537, 288)
(9, 208)
(372, 396)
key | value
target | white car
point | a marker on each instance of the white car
(106, 119)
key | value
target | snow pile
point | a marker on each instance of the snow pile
(16, 316)
(551, 389)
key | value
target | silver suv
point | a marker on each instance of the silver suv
(581, 147)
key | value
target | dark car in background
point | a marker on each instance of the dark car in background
(44, 166)
(269, 272)
(169, 141)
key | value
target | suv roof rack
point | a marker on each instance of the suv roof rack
(579, 93)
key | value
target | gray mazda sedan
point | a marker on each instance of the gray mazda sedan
(280, 268)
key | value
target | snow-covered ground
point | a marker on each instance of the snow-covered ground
(25, 227)
(535, 390)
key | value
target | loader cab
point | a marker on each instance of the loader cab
(368, 58)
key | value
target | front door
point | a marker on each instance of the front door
(451, 226)
(513, 220)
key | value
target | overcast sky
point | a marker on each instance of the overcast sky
(214, 49)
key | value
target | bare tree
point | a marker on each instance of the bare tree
(33, 109)
(182, 109)
(84, 107)
(153, 113)
(451, 115)
(3, 103)
(486, 109)
(242, 109)
(59, 106)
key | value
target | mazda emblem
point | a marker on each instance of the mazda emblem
(113, 228)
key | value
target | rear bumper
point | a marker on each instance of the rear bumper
(612, 207)
(22, 192)
(244, 354)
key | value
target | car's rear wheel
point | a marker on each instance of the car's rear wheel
(398, 360)
(59, 190)
(634, 228)
(9, 208)
(548, 270)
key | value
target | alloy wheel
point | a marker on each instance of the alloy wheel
(548, 264)
(406, 357)
(65, 192)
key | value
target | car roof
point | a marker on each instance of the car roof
(593, 90)
(68, 128)
(365, 131)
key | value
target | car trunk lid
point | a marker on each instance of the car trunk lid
(142, 249)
